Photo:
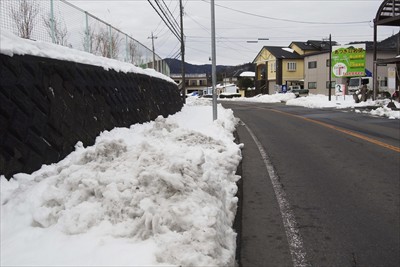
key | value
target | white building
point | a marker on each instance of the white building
(317, 67)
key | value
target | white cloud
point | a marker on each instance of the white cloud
(234, 29)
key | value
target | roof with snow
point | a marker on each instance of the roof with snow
(248, 74)
(282, 52)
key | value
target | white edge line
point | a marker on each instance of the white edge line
(289, 222)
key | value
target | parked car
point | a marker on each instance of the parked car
(296, 89)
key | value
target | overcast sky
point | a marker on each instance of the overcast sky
(239, 21)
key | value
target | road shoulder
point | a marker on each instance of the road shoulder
(262, 238)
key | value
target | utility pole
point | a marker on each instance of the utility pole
(154, 54)
(330, 67)
(214, 64)
(375, 66)
(182, 54)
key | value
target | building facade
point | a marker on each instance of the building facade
(317, 67)
(276, 66)
(307, 64)
(193, 82)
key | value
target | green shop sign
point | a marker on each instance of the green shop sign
(348, 60)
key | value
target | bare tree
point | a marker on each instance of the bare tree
(60, 30)
(134, 52)
(88, 41)
(24, 15)
(115, 44)
(101, 41)
(106, 44)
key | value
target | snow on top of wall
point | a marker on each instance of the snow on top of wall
(14, 45)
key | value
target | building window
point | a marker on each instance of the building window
(383, 82)
(291, 66)
(193, 82)
(312, 85)
(273, 67)
(312, 64)
(328, 63)
(333, 83)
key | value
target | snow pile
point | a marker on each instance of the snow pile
(154, 194)
(385, 112)
(322, 101)
(14, 45)
(340, 102)
(318, 101)
(274, 98)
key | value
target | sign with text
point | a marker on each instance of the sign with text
(348, 60)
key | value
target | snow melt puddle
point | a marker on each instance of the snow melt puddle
(153, 194)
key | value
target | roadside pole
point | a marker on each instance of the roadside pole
(213, 57)
(182, 54)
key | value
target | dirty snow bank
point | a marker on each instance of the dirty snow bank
(159, 193)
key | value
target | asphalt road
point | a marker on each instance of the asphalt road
(339, 175)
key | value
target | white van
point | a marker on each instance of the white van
(355, 83)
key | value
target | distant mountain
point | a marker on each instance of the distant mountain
(222, 70)
(175, 67)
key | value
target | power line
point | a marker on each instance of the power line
(164, 26)
(220, 39)
(170, 14)
(165, 19)
(288, 20)
(169, 17)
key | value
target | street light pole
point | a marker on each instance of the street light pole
(213, 57)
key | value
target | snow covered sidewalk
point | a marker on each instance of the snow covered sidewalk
(159, 193)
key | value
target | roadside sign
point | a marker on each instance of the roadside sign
(348, 60)
(391, 80)
(340, 89)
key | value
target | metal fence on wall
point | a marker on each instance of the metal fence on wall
(62, 23)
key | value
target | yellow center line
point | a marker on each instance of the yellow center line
(360, 136)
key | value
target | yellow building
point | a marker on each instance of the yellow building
(277, 66)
